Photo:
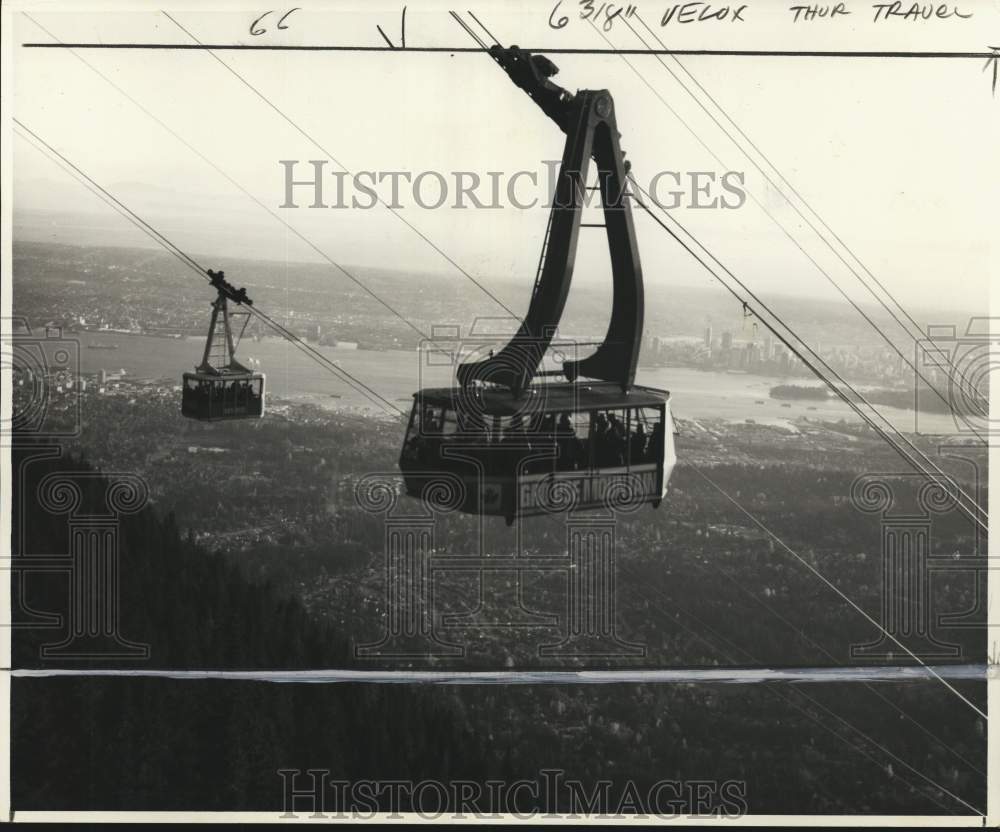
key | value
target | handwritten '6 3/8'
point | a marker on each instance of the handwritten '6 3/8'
(588, 11)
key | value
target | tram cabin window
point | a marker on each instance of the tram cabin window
(551, 441)
(222, 397)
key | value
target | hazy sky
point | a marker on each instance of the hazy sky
(899, 157)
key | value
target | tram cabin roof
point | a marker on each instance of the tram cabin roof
(557, 398)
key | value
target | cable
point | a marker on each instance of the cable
(165, 241)
(833, 282)
(792, 188)
(238, 186)
(175, 250)
(972, 513)
(470, 32)
(698, 470)
(329, 155)
(903, 357)
(191, 263)
(848, 401)
(834, 587)
(335, 368)
(641, 583)
(482, 26)
(867, 685)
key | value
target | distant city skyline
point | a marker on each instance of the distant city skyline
(136, 289)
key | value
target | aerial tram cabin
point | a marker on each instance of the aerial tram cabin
(582, 446)
(220, 387)
(521, 446)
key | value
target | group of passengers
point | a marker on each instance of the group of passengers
(548, 441)
(223, 396)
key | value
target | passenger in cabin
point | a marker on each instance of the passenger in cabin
(228, 391)
(568, 446)
(547, 444)
(616, 441)
(654, 450)
(201, 398)
(637, 449)
(599, 439)
(609, 440)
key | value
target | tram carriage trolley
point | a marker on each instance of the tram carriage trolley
(519, 447)
(564, 446)
(221, 388)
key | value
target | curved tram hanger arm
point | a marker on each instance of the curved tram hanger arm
(588, 119)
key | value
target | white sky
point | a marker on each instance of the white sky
(899, 157)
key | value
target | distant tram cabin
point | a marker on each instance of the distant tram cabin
(212, 397)
(221, 387)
